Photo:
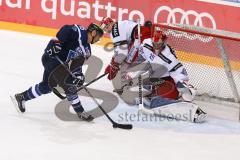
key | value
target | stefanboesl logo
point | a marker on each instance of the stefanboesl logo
(171, 18)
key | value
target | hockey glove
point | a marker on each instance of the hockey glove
(54, 49)
(78, 81)
(187, 91)
(112, 69)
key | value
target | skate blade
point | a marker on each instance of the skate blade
(14, 101)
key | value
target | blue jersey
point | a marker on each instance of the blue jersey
(74, 43)
(73, 39)
(73, 50)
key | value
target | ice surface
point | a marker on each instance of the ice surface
(39, 134)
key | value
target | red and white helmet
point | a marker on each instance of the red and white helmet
(159, 39)
(106, 24)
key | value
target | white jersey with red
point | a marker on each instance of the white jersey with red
(163, 100)
(122, 35)
(125, 39)
(163, 64)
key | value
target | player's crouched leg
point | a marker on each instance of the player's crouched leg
(76, 103)
(59, 77)
(178, 110)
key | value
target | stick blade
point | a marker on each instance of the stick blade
(122, 126)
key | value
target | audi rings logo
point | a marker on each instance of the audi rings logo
(185, 19)
(171, 18)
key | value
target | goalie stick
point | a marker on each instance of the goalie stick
(141, 108)
(114, 124)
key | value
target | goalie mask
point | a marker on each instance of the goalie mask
(106, 24)
(159, 40)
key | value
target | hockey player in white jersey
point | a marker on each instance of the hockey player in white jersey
(123, 35)
(163, 97)
(168, 80)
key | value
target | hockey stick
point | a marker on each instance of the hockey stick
(56, 92)
(141, 108)
(115, 124)
(140, 96)
(140, 77)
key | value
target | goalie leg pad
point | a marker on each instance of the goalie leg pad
(174, 109)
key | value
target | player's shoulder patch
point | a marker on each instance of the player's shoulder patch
(115, 30)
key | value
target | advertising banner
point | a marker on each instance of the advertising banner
(55, 13)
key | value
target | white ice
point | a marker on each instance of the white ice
(39, 135)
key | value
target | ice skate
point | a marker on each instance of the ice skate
(200, 116)
(18, 100)
(85, 116)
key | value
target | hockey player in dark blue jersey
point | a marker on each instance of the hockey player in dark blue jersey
(72, 46)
